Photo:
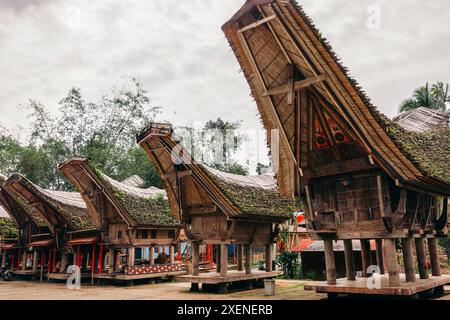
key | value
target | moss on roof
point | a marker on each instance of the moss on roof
(69, 205)
(429, 150)
(150, 210)
(8, 228)
(254, 200)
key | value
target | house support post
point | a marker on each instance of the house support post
(240, 257)
(111, 260)
(195, 258)
(380, 255)
(330, 262)
(349, 260)
(171, 253)
(408, 259)
(63, 263)
(421, 258)
(269, 257)
(130, 257)
(393, 268)
(248, 259)
(152, 255)
(434, 257)
(24, 260)
(4, 259)
(223, 260)
(218, 258)
(366, 258)
(35, 260)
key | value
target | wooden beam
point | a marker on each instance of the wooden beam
(298, 85)
(257, 23)
(408, 259)
(421, 258)
(366, 257)
(248, 259)
(223, 260)
(349, 260)
(240, 257)
(393, 268)
(195, 258)
(434, 257)
(330, 262)
(380, 255)
(269, 257)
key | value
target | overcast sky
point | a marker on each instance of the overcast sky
(178, 51)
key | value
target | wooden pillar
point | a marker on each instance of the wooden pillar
(130, 257)
(171, 254)
(111, 260)
(349, 260)
(63, 263)
(35, 260)
(223, 260)
(195, 258)
(4, 259)
(365, 257)
(393, 268)
(330, 262)
(269, 257)
(24, 260)
(152, 255)
(218, 258)
(408, 259)
(434, 257)
(380, 255)
(421, 258)
(240, 257)
(248, 258)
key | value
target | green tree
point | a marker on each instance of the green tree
(435, 97)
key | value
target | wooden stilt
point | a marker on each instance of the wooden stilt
(269, 257)
(195, 258)
(349, 260)
(111, 260)
(248, 259)
(35, 260)
(218, 258)
(4, 259)
(240, 257)
(171, 254)
(100, 257)
(380, 255)
(421, 258)
(131, 252)
(393, 268)
(63, 263)
(408, 259)
(152, 256)
(365, 257)
(24, 260)
(223, 260)
(330, 262)
(434, 257)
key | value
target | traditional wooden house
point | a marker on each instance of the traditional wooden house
(217, 208)
(360, 175)
(73, 236)
(130, 219)
(16, 253)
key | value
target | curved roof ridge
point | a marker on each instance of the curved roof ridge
(258, 181)
(138, 192)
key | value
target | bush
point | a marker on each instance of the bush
(288, 262)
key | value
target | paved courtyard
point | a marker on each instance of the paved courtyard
(27, 290)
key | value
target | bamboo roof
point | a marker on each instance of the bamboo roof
(236, 196)
(268, 37)
(134, 181)
(136, 206)
(422, 119)
(64, 210)
(18, 209)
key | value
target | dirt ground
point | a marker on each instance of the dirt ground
(27, 290)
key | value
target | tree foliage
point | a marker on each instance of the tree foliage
(433, 97)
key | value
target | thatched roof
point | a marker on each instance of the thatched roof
(62, 209)
(236, 196)
(138, 207)
(134, 181)
(17, 208)
(285, 37)
(422, 119)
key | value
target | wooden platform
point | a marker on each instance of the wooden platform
(26, 273)
(232, 276)
(126, 277)
(65, 276)
(359, 286)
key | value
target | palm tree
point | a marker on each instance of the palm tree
(442, 95)
(435, 97)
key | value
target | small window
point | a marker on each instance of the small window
(153, 234)
(171, 234)
(144, 234)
